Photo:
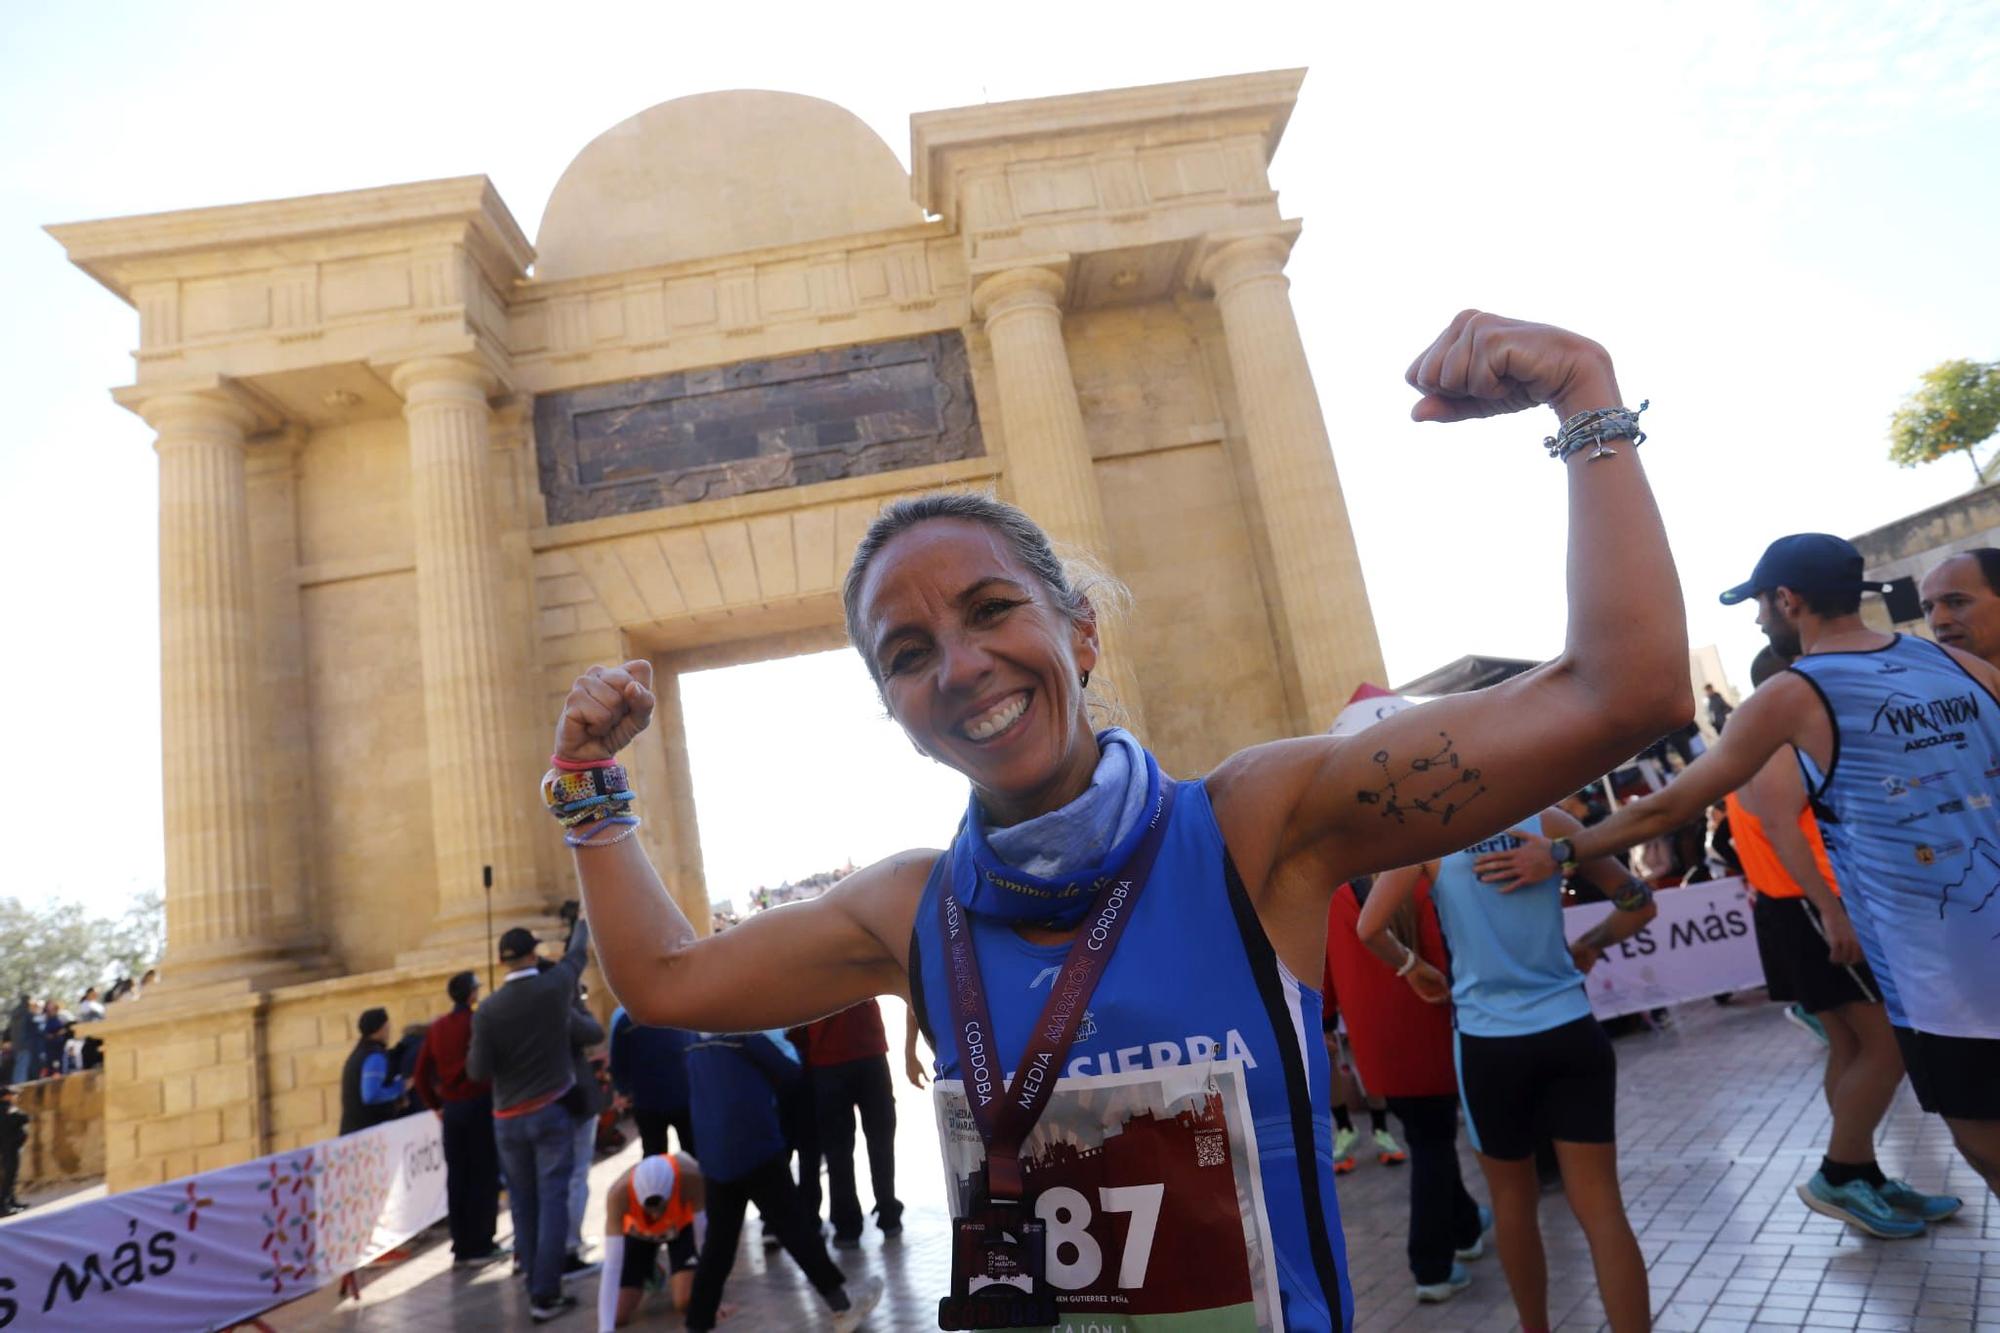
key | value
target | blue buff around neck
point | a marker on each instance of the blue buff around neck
(1047, 869)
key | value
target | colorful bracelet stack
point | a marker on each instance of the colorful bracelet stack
(593, 800)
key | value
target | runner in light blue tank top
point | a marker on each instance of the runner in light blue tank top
(1911, 817)
(1511, 970)
(1899, 740)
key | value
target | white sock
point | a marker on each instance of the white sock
(607, 1283)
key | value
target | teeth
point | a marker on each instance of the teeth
(997, 721)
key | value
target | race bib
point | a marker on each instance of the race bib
(1148, 1188)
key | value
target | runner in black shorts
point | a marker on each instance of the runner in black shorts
(1532, 1060)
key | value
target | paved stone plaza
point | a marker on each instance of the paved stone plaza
(1720, 1117)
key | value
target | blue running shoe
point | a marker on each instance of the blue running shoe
(1858, 1204)
(1797, 1015)
(1899, 1194)
(1430, 1293)
(1477, 1250)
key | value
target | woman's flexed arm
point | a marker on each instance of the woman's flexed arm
(1431, 780)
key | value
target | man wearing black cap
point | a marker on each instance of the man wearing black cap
(1899, 740)
(464, 1109)
(521, 1043)
(368, 1090)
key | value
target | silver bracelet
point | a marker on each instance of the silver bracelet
(1593, 428)
(1410, 961)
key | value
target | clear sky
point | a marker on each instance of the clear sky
(1775, 216)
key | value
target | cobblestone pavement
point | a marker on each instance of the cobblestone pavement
(1719, 1118)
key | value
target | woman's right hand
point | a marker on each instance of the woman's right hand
(606, 708)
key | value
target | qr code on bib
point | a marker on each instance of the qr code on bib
(1211, 1150)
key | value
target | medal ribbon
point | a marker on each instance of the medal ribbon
(1006, 1113)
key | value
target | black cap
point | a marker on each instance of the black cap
(461, 986)
(517, 943)
(1805, 562)
(373, 1020)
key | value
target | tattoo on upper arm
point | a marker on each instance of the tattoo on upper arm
(1439, 784)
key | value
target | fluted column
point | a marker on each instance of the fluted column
(1325, 630)
(479, 792)
(218, 890)
(1049, 470)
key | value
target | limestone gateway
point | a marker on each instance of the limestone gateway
(416, 474)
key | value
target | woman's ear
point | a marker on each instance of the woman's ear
(1085, 643)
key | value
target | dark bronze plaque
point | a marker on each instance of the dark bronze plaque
(755, 426)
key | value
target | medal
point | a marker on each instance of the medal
(1000, 1250)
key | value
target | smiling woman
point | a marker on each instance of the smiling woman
(1169, 920)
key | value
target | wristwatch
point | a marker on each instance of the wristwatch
(1563, 852)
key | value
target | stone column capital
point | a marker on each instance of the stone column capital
(209, 412)
(430, 378)
(1028, 287)
(1227, 260)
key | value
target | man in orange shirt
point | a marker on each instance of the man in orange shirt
(1811, 957)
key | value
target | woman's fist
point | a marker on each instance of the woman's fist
(1484, 365)
(606, 708)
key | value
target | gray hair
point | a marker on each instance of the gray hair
(1078, 586)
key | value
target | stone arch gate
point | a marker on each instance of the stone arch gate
(415, 474)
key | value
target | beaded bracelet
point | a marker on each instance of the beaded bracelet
(587, 837)
(1594, 428)
(586, 795)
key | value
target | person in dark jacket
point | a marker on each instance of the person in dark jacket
(649, 1071)
(733, 1084)
(522, 1043)
(24, 1029)
(369, 1087)
(13, 1137)
(465, 1109)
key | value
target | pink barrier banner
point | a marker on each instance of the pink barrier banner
(209, 1251)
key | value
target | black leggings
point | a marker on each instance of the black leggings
(1443, 1217)
(778, 1200)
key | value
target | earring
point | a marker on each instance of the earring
(1084, 680)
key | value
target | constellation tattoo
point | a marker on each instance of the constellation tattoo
(1439, 784)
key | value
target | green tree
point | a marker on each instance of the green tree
(1956, 408)
(57, 949)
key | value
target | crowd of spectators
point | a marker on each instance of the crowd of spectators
(46, 1039)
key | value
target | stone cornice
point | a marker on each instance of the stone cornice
(120, 252)
(936, 135)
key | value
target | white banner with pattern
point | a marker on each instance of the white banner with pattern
(1701, 944)
(211, 1250)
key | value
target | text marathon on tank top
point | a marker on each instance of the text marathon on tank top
(1168, 1165)
(1511, 973)
(1911, 818)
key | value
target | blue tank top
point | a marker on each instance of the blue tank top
(1908, 810)
(1194, 981)
(1511, 973)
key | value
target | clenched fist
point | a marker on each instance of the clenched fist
(1485, 365)
(606, 708)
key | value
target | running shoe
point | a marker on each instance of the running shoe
(1901, 1196)
(1430, 1293)
(1798, 1017)
(1343, 1150)
(555, 1309)
(1859, 1204)
(862, 1297)
(1387, 1151)
(1477, 1250)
